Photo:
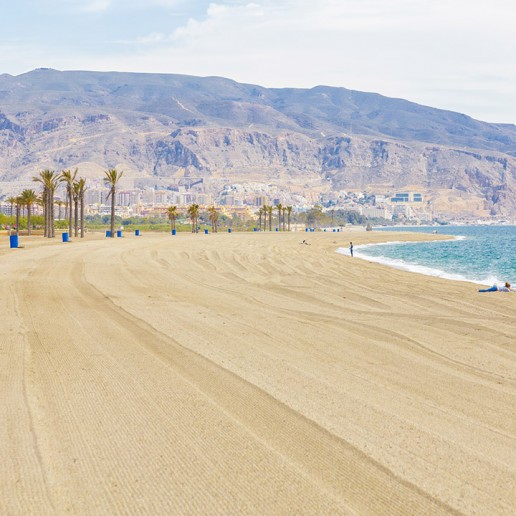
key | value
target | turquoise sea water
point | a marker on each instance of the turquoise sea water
(481, 254)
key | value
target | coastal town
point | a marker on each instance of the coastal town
(241, 200)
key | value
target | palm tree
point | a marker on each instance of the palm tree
(12, 202)
(269, 211)
(260, 214)
(193, 213)
(111, 180)
(289, 211)
(213, 215)
(68, 178)
(279, 207)
(19, 202)
(82, 190)
(284, 211)
(49, 180)
(75, 198)
(172, 216)
(60, 204)
(29, 198)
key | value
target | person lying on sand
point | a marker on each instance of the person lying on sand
(495, 288)
(305, 242)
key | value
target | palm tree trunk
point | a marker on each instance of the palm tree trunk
(17, 218)
(76, 219)
(44, 205)
(47, 214)
(28, 220)
(82, 215)
(112, 212)
(52, 215)
(70, 209)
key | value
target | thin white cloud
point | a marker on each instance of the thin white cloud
(85, 6)
(104, 5)
(96, 5)
(454, 54)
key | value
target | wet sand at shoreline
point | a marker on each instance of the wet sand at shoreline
(249, 374)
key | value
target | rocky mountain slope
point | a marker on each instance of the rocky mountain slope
(161, 129)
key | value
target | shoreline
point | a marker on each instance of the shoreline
(413, 267)
(248, 373)
(462, 260)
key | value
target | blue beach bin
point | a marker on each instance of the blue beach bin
(205, 231)
(277, 229)
(13, 241)
(255, 229)
(173, 232)
(108, 233)
(136, 232)
(119, 233)
(306, 229)
(229, 230)
(64, 237)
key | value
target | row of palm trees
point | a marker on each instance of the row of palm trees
(74, 205)
(75, 190)
(193, 213)
(27, 199)
(284, 213)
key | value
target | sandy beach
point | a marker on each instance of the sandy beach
(249, 374)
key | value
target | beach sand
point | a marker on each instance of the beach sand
(249, 374)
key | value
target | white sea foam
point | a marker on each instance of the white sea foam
(417, 242)
(415, 267)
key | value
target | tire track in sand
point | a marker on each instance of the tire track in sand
(332, 463)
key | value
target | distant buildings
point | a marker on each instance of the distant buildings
(405, 197)
(376, 212)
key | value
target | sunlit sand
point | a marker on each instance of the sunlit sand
(249, 374)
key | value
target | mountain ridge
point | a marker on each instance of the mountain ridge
(165, 125)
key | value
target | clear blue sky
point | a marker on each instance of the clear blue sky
(452, 54)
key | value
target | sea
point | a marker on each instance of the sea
(478, 254)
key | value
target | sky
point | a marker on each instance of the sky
(451, 54)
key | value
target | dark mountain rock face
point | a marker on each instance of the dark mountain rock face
(168, 126)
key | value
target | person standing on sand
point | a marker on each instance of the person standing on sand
(351, 249)
(495, 288)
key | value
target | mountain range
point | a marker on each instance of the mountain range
(164, 130)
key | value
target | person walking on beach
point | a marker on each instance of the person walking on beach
(351, 249)
(495, 288)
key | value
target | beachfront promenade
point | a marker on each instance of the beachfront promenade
(249, 374)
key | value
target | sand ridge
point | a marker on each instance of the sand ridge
(250, 374)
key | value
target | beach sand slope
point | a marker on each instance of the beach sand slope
(249, 374)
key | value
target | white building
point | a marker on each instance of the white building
(378, 212)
